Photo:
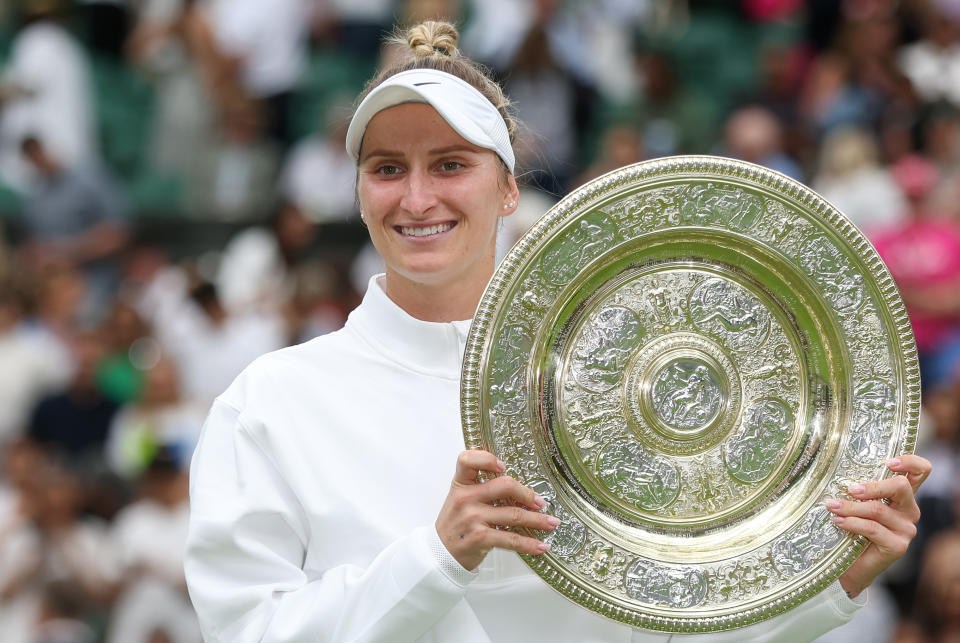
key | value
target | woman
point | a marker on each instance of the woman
(321, 504)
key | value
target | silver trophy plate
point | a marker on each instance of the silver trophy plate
(686, 357)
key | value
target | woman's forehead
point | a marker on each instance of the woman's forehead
(411, 127)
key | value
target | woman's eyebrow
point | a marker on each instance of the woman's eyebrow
(381, 152)
(454, 148)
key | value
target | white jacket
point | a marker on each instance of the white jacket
(315, 488)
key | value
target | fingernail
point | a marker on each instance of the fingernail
(502, 465)
(837, 519)
(553, 521)
(543, 547)
(893, 462)
(833, 503)
(540, 501)
(857, 488)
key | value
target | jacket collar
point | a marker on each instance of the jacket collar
(431, 348)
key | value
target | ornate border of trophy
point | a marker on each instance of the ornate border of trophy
(685, 357)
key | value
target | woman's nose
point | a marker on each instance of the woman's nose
(420, 194)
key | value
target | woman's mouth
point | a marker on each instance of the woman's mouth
(424, 231)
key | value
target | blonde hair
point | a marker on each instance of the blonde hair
(433, 45)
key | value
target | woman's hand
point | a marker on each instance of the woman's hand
(890, 526)
(468, 523)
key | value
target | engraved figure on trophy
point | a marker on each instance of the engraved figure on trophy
(602, 562)
(738, 580)
(752, 454)
(874, 404)
(637, 476)
(567, 539)
(654, 584)
(579, 245)
(603, 349)
(783, 368)
(843, 286)
(686, 394)
(509, 368)
(725, 206)
(796, 551)
(726, 310)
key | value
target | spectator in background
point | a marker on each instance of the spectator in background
(209, 344)
(923, 255)
(932, 63)
(74, 423)
(938, 594)
(235, 179)
(318, 175)
(620, 145)
(32, 365)
(161, 419)
(106, 23)
(150, 536)
(754, 134)
(258, 269)
(849, 175)
(45, 92)
(172, 43)
(75, 214)
(264, 43)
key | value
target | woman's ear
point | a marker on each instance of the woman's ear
(511, 197)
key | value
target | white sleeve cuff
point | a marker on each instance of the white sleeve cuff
(845, 605)
(446, 562)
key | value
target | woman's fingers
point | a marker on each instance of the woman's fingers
(470, 463)
(519, 517)
(873, 510)
(505, 488)
(915, 467)
(897, 490)
(892, 543)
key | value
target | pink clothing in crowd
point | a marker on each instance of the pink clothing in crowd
(923, 253)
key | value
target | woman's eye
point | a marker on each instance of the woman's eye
(388, 170)
(450, 166)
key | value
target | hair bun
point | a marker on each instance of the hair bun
(433, 38)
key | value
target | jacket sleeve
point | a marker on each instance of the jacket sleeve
(246, 550)
(829, 609)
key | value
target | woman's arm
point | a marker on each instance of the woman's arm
(246, 553)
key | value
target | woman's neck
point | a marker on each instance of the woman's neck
(453, 302)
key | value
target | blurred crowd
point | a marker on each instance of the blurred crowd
(175, 200)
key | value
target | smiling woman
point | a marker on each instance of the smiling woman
(321, 493)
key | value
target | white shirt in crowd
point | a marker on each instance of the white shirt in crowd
(315, 487)
(270, 36)
(52, 77)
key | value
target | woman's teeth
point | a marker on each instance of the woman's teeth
(423, 232)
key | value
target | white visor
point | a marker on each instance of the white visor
(464, 108)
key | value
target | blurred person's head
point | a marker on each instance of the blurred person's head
(294, 231)
(205, 295)
(60, 291)
(60, 496)
(417, 11)
(124, 325)
(622, 145)
(938, 587)
(12, 305)
(39, 156)
(243, 122)
(917, 177)
(36, 10)
(846, 151)
(941, 134)
(941, 406)
(165, 480)
(20, 460)
(88, 348)
(162, 384)
(753, 134)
